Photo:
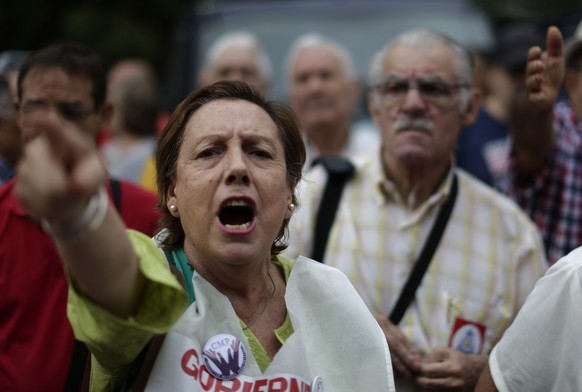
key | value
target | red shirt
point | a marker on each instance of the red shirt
(36, 340)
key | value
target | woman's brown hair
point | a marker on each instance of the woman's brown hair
(173, 135)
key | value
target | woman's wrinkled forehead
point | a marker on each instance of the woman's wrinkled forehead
(230, 117)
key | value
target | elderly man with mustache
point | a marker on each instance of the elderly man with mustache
(470, 287)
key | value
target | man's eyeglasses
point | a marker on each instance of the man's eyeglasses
(433, 91)
(73, 112)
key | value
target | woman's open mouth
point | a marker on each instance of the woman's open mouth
(237, 215)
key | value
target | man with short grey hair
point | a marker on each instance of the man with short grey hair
(237, 55)
(323, 92)
(444, 261)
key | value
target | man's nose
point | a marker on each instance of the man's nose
(414, 103)
(314, 84)
(413, 100)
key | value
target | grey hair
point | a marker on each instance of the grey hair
(6, 102)
(240, 39)
(415, 38)
(312, 40)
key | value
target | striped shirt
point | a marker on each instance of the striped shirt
(487, 262)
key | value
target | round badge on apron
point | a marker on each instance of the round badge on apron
(317, 384)
(225, 356)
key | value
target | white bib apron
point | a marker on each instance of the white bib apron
(335, 338)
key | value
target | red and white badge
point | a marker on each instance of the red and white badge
(467, 336)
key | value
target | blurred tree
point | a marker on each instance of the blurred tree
(114, 28)
(150, 28)
(511, 11)
(565, 14)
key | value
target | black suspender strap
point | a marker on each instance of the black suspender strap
(339, 171)
(77, 367)
(116, 193)
(426, 255)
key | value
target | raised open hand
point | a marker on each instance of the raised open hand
(545, 71)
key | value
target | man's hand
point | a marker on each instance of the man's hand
(531, 124)
(545, 71)
(59, 171)
(450, 370)
(406, 360)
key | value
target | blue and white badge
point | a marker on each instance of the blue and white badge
(317, 384)
(225, 356)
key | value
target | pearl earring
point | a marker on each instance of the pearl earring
(291, 207)
(173, 208)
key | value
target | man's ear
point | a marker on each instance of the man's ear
(470, 113)
(570, 80)
(106, 114)
(203, 77)
(356, 91)
(16, 104)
